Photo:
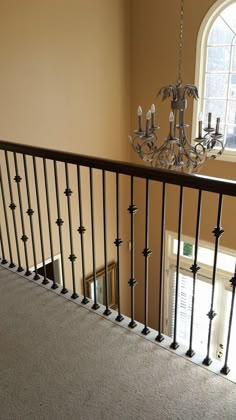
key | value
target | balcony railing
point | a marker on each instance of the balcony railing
(85, 210)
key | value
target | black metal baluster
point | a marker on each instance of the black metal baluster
(45, 280)
(30, 213)
(4, 261)
(11, 265)
(95, 305)
(225, 369)
(160, 336)
(218, 231)
(59, 223)
(81, 231)
(175, 344)
(195, 268)
(146, 253)
(54, 284)
(132, 282)
(72, 256)
(118, 242)
(107, 311)
(24, 238)
(12, 206)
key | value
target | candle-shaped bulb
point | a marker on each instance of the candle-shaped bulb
(153, 109)
(171, 117)
(140, 111)
(149, 115)
(200, 118)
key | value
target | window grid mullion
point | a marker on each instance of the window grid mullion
(228, 93)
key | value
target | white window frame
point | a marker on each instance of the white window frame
(200, 67)
(222, 282)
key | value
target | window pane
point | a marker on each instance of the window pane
(226, 261)
(201, 326)
(231, 115)
(234, 59)
(184, 308)
(216, 85)
(187, 249)
(222, 131)
(226, 314)
(231, 137)
(217, 108)
(220, 33)
(218, 59)
(229, 15)
(205, 255)
(232, 87)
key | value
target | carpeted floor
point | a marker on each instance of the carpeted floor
(60, 361)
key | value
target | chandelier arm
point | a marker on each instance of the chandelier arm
(191, 153)
(219, 152)
(186, 153)
(186, 141)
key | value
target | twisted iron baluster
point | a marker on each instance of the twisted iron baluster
(160, 336)
(174, 345)
(11, 265)
(24, 237)
(132, 282)
(12, 206)
(218, 231)
(118, 242)
(72, 256)
(59, 223)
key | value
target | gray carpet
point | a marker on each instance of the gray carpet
(60, 361)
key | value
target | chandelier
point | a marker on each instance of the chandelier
(176, 152)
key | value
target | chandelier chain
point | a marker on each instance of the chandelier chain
(179, 80)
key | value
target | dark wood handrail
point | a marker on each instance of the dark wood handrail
(210, 184)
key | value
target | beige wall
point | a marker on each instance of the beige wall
(65, 84)
(64, 76)
(155, 38)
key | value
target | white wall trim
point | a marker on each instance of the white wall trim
(57, 260)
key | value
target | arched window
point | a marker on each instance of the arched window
(216, 70)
